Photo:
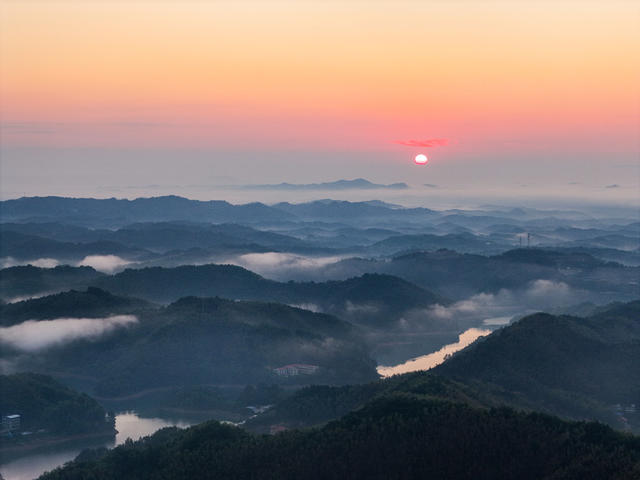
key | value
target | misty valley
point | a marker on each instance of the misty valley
(172, 338)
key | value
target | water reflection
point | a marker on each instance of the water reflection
(128, 424)
(425, 362)
(31, 466)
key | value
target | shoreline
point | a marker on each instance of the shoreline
(50, 441)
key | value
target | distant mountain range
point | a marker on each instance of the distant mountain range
(112, 212)
(356, 184)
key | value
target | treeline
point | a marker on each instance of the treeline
(44, 403)
(394, 437)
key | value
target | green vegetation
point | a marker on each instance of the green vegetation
(569, 366)
(371, 299)
(318, 404)
(93, 302)
(393, 437)
(44, 403)
(30, 280)
(209, 341)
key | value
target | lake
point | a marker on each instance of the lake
(128, 424)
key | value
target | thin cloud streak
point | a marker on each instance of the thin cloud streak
(432, 142)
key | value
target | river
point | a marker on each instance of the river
(130, 425)
(425, 362)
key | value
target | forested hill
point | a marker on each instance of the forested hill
(229, 281)
(567, 366)
(93, 302)
(44, 403)
(29, 280)
(398, 437)
(561, 364)
(375, 300)
(202, 341)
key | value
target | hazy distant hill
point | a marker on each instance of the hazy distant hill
(358, 183)
(117, 212)
(396, 437)
(458, 276)
(317, 224)
(155, 236)
(30, 247)
(374, 300)
(173, 236)
(461, 242)
(29, 280)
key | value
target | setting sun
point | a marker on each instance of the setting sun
(421, 159)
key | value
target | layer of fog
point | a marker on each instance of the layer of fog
(429, 361)
(104, 263)
(35, 335)
(494, 308)
(7, 262)
(281, 266)
(101, 263)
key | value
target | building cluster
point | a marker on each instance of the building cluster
(296, 369)
(10, 424)
(630, 408)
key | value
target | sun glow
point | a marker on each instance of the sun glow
(421, 159)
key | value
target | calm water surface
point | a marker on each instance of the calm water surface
(129, 425)
(425, 362)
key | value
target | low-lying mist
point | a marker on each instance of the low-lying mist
(104, 263)
(7, 262)
(101, 263)
(33, 335)
(281, 266)
(494, 309)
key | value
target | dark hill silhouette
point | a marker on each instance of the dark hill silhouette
(29, 280)
(395, 437)
(93, 302)
(117, 212)
(559, 363)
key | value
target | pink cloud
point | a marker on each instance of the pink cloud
(432, 142)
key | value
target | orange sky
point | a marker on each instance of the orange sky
(491, 76)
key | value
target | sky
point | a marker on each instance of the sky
(517, 98)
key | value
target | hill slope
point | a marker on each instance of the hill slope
(43, 403)
(397, 437)
(197, 341)
(561, 364)
(93, 302)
